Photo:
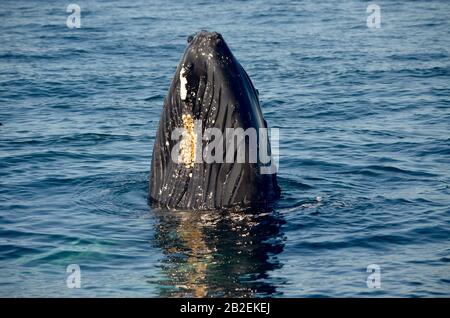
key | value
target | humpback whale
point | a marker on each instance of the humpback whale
(205, 167)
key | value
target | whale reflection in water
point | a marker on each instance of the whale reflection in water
(211, 254)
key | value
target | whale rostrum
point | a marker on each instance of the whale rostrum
(212, 144)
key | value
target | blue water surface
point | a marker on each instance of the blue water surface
(364, 117)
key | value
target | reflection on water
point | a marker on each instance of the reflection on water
(218, 254)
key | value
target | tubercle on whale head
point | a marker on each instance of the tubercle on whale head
(208, 48)
(208, 51)
(208, 42)
(205, 53)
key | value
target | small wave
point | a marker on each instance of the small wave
(65, 257)
(290, 183)
(52, 156)
(154, 97)
(381, 241)
(11, 251)
(432, 56)
(78, 139)
(381, 170)
(124, 195)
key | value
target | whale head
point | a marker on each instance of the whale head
(208, 149)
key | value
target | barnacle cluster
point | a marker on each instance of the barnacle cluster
(188, 142)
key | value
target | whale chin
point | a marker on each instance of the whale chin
(210, 91)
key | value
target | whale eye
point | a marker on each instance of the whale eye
(190, 38)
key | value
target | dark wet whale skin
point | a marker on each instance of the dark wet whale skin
(221, 95)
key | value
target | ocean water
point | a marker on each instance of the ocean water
(364, 118)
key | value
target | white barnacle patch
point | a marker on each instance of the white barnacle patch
(188, 143)
(183, 83)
